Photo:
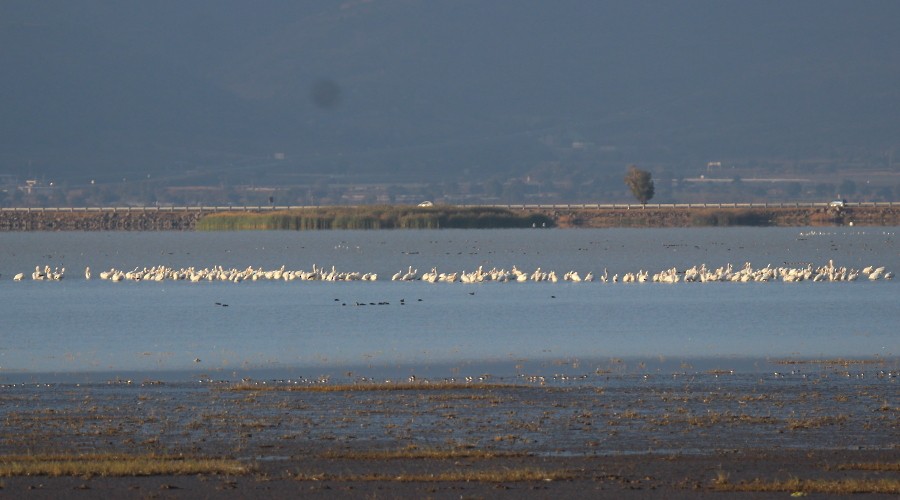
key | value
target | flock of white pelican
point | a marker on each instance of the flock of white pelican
(481, 275)
(218, 273)
(46, 273)
(698, 274)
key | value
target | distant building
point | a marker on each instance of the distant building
(30, 186)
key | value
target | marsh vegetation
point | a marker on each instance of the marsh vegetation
(571, 431)
(116, 465)
(375, 217)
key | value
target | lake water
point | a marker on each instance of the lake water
(98, 330)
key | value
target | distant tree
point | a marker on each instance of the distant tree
(847, 187)
(392, 190)
(513, 191)
(14, 196)
(865, 191)
(75, 198)
(825, 189)
(793, 190)
(493, 188)
(295, 195)
(641, 184)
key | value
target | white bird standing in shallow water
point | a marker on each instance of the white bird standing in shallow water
(87, 273)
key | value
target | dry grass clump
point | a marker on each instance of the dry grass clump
(375, 386)
(710, 419)
(795, 485)
(872, 466)
(816, 422)
(110, 465)
(831, 362)
(438, 398)
(475, 476)
(415, 453)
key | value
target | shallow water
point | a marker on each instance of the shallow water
(810, 406)
(94, 330)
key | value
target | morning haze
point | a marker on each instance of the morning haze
(396, 100)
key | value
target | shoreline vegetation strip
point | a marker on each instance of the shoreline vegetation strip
(374, 218)
(797, 486)
(441, 217)
(476, 476)
(391, 386)
(116, 465)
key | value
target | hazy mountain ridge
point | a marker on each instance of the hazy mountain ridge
(432, 89)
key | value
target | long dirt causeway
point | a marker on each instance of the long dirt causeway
(186, 219)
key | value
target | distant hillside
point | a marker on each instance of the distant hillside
(403, 90)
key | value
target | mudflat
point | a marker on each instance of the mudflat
(828, 429)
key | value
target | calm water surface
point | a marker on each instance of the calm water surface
(175, 329)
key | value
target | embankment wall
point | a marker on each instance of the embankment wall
(185, 220)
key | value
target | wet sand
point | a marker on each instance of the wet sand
(582, 435)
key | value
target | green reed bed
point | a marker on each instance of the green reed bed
(375, 217)
(731, 218)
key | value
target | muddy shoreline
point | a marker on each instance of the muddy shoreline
(186, 220)
(681, 434)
